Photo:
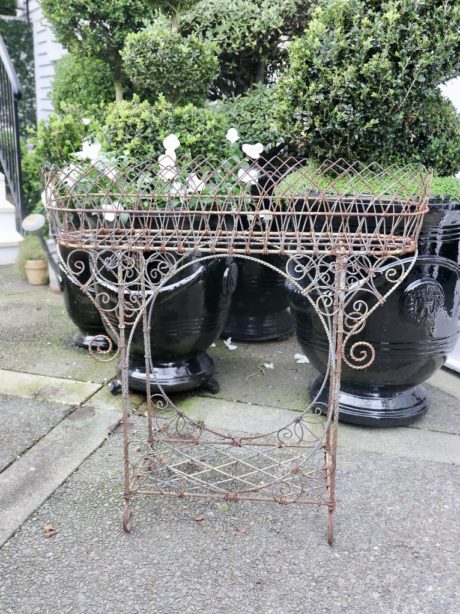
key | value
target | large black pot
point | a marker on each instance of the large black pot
(260, 306)
(80, 309)
(188, 315)
(412, 332)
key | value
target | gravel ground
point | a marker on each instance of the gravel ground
(396, 547)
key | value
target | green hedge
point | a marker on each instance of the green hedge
(159, 60)
(137, 128)
(52, 143)
(252, 115)
(362, 83)
(81, 81)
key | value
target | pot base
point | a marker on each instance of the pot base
(265, 328)
(393, 409)
(177, 376)
(83, 340)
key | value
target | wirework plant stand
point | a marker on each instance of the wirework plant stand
(143, 226)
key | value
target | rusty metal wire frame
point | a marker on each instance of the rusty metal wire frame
(284, 207)
(341, 252)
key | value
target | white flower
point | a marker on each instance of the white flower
(194, 183)
(110, 210)
(253, 151)
(249, 175)
(232, 135)
(229, 344)
(89, 151)
(70, 175)
(47, 197)
(177, 189)
(85, 121)
(301, 359)
(168, 170)
(167, 159)
(171, 143)
(265, 215)
(268, 365)
(110, 172)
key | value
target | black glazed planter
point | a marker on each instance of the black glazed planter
(260, 305)
(412, 332)
(80, 309)
(187, 317)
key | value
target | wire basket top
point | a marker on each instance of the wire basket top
(283, 206)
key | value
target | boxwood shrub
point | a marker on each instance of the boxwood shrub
(362, 83)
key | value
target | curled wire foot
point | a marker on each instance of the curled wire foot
(330, 527)
(127, 519)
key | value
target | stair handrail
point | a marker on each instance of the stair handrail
(8, 64)
(10, 160)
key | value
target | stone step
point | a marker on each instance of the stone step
(10, 238)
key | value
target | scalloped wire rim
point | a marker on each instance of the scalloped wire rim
(291, 208)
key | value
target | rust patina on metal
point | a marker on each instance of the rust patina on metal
(139, 225)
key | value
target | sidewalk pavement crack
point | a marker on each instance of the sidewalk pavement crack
(71, 409)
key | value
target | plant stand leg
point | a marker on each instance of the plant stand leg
(127, 514)
(335, 358)
(146, 309)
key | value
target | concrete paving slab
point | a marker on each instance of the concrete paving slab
(287, 385)
(447, 381)
(404, 442)
(24, 422)
(35, 337)
(11, 282)
(396, 548)
(29, 481)
(42, 387)
(104, 399)
(443, 414)
(242, 418)
(243, 377)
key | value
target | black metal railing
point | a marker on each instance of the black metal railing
(10, 154)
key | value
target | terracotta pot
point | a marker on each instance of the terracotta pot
(37, 272)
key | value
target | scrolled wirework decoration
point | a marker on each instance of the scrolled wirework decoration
(101, 348)
(340, 230)
(360, 355)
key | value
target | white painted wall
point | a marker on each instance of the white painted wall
(46, 53)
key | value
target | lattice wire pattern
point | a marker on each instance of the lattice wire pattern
(339, 227)
(284, 207)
